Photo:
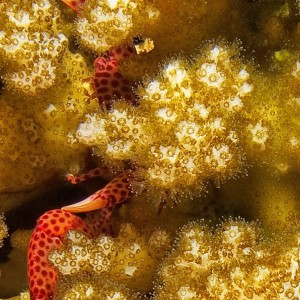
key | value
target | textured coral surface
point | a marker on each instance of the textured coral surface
(211, 132)
(233, 262)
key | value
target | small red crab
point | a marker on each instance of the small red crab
(107, 82)
(53, 225)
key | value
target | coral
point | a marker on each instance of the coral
(93, 287)
(34, 134)
(129, 259)
(273, 130)
(33, 43)
(232, 262)
(16, 260)
(20, 239)
(211, 120)
(112, 23)
(162, 21)
(197, 110)
(3, 230)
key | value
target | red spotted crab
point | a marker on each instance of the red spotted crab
(108, 85)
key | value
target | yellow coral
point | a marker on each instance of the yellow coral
(101, 26)
(20, 239)
(35, 133)
(3, 230)
(234, 262)
(201, 120)
(272, 198)
(32, 44)
(196, 109)
(130, 259)
(94, 287)
(272, 135)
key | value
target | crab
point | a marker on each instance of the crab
(54, 224)
(107, 83)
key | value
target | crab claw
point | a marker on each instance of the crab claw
(48, 235)
(115, 192)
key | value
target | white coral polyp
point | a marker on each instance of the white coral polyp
(201, 110)
(245, 89)
(119, 149)
(91, 130)
(208, 74)
(243, 75)
(175, 73)
(259, 133)
(235, 104)
(166, 114)
(220, 158)
(188, 130)
(186, 293)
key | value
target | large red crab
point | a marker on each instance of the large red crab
(108, 85)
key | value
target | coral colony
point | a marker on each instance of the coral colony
(190, 110)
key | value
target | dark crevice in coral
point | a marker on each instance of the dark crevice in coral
(1, 86)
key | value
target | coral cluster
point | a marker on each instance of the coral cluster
(130, 259)
(3, 230)
(195, 107)
(89, 287)
(32, 44)
(101, 26)
(273, 123)
(232, 262)
(34, 133)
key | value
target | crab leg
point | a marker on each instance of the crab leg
(97, 172)
(115, 192)
(48, 235)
